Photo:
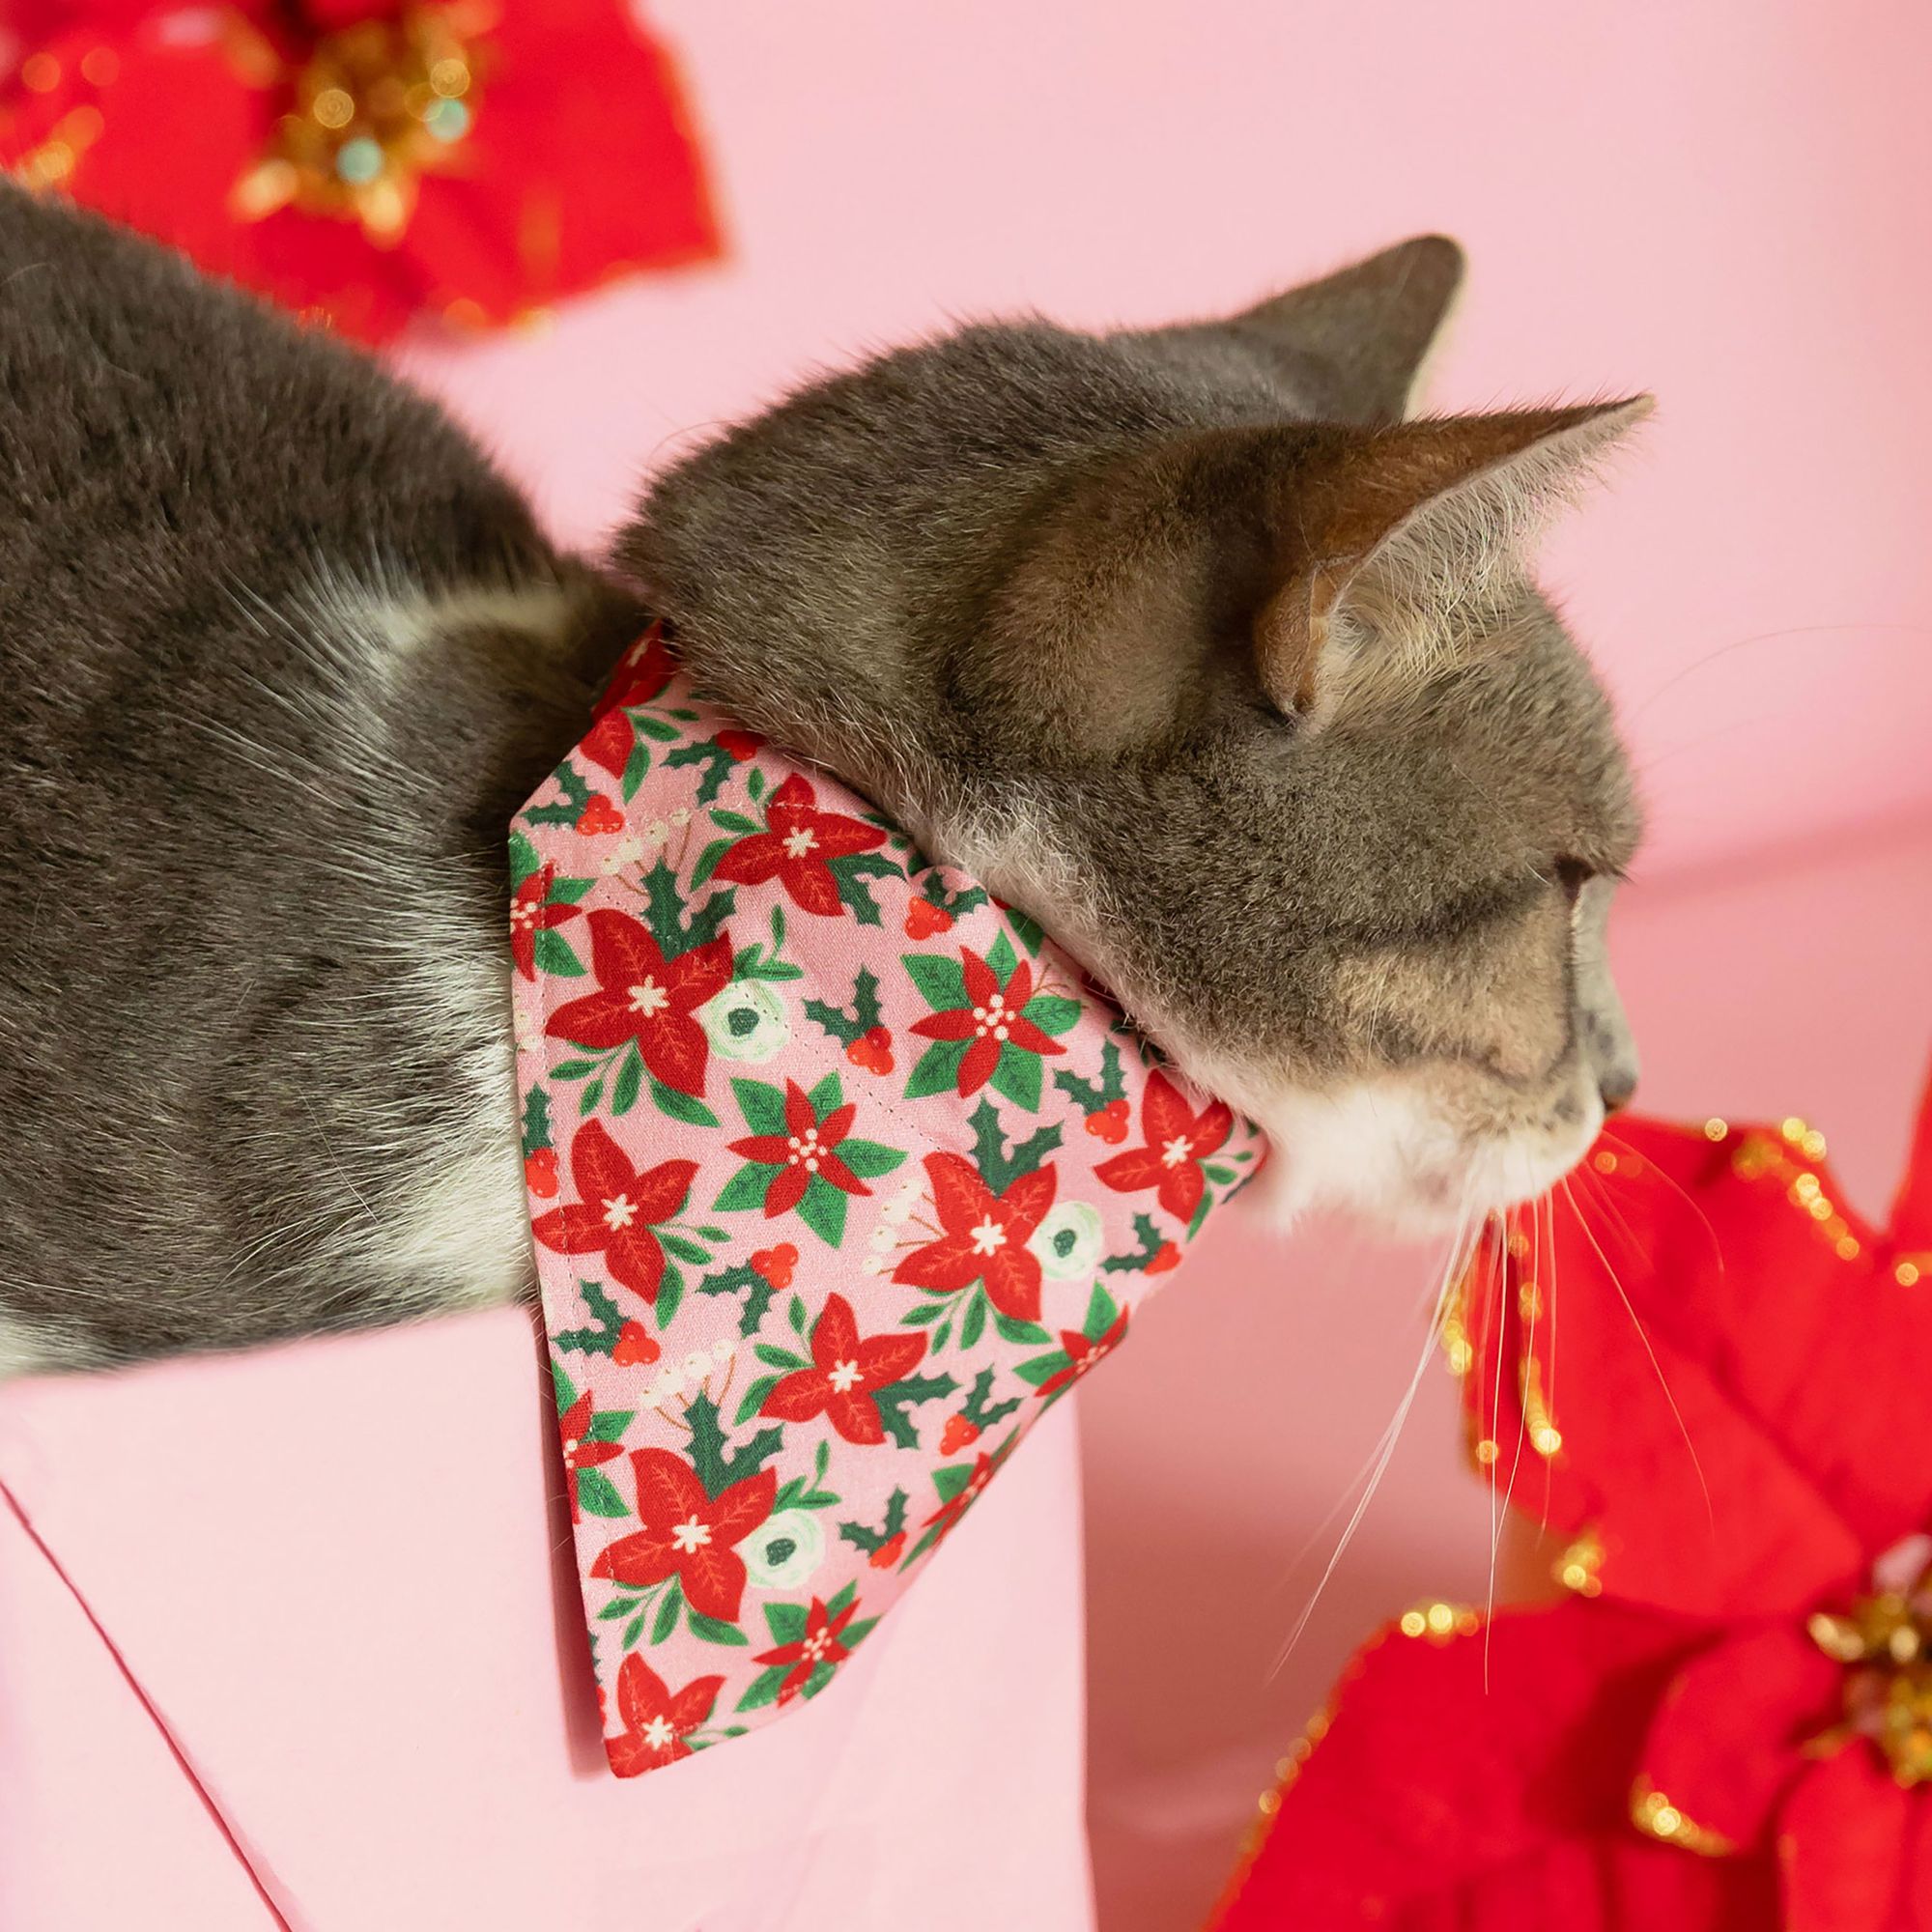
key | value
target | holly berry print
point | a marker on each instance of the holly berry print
(840, 1175)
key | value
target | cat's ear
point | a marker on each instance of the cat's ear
(1352, 345)
(1400, 550)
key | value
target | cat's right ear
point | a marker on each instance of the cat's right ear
(1351, 347)
(1394, 555)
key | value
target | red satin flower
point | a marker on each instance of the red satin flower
(794, 848)
(845, 1375)
(1737, 1733)
(368, 160)
(1178, 1140)
(821, 1644)
(986, 1235)
(807, 1147)
(643, 996)
(616, 1209)
(657, 1720)
(992, 1016)
(688, 1534)
(530, 916)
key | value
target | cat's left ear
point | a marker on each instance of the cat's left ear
(1352, 346)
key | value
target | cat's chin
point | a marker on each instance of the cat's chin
(1382, 1153)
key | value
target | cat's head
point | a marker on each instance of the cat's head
(1191, 646)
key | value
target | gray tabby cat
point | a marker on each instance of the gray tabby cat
(1182, 639)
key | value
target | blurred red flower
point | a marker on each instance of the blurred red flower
(365, 160)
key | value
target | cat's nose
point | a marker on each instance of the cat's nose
(1616, 1086)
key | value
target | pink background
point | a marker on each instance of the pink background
(1718, 201)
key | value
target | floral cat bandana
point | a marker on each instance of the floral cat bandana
(840, 1174)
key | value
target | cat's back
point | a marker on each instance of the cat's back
(279, 652)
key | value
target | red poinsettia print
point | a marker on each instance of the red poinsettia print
(643, 996)
(366, 160)
(985, 1236)
(688, 1533)
(1083, 1354)
(641, 673)
(582, 1450)
(1178, 1140)
(530, 915)
(794, 848)
(807, 1147)
(617, 1210)
(847, 1372)
(1730, 1726)
(656, 1719)
(804, 1417)
(992, 1015)
(821, 1644)
(944, 1518)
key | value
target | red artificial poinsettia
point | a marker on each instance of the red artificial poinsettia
(807, 1147)
(1178, 1140)
(992, 1015)
(688, 1533)
(985, 1236)
(530, 915)
(1729, 1727)
(367, 160)
(845, 1375)
(617, 1208)
(795, 849)
(818, 1644)
(657, 1720)
(643, 996)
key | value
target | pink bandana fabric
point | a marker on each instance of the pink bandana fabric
(840, 1174)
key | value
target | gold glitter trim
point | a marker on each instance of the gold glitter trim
(1580, 1567)
(1784, 1157)
(1439, 1623)
(1655, 1815)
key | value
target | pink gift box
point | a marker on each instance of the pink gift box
(294, 1638)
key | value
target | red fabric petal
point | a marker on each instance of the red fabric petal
(787, 1189)
(1182, 1187)
(811, 887)
(700, 975)
(982, 982)
(1724, 1742)
(959, 1193)
(1013, 1282)
(1130, 1172)
(797, 1397)
(955, 1023)
(1026, 1201)
(980, 1063)
(598, 1166)
(636, 1260)
(675, 1050)
(884, 1359)
(1455, 1770)
(752, 860)
(662, 1191)
(856, 1418)
(1845, 1834)
(834, 1336)
(1164, 1114)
